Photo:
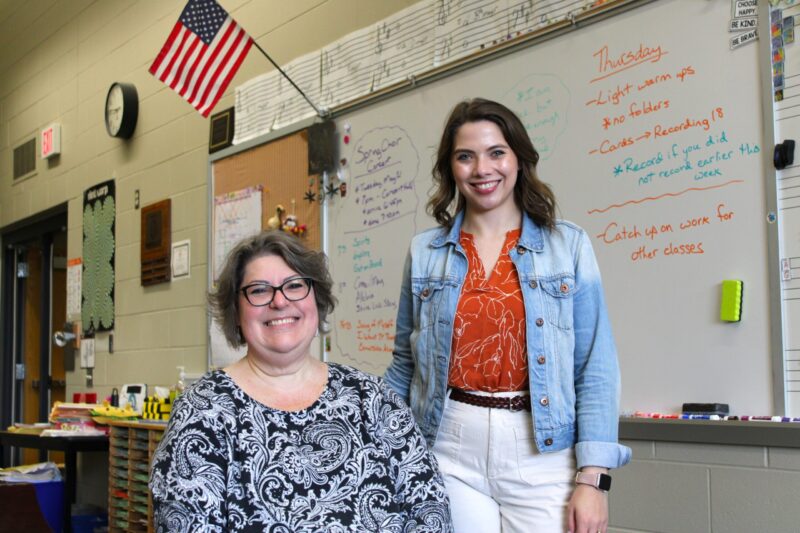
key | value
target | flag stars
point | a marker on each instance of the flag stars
(204, 18)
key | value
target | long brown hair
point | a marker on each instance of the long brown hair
(531, 194)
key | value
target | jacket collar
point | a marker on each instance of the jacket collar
(531, 237)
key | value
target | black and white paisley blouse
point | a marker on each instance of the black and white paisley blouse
(352, 461)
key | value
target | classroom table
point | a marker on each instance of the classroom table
(71, 446)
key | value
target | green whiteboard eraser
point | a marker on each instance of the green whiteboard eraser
(730, 310)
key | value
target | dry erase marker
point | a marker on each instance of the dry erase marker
(699, 417)
(771, 418)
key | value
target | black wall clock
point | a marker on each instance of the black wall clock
(122, 110)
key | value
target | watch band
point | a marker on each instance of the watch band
(598, 481)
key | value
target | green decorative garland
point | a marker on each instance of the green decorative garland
(97, 287)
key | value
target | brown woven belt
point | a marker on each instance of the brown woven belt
(513, 403)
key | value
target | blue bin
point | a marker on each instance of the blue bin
(89, 523)
(50, 495)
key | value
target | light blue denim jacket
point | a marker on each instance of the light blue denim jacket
(572, 359)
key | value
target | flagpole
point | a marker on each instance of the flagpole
(321, 114)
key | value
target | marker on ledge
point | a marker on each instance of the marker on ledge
(700, 417)
(770, 419)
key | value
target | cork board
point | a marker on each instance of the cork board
(281, 168)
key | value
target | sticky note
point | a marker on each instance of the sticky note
(730, 309)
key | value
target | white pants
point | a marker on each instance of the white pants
(496, 478)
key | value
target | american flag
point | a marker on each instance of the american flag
(202, 54)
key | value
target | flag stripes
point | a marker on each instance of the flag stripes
(197, 71)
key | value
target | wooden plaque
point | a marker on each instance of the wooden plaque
(156, 242)
(220, 133)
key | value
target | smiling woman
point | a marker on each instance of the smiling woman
(279, 440)
(503, 340)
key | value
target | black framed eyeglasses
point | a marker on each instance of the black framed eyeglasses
(259, 294)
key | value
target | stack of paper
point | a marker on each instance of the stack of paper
(29, 429)
(31, 473)
(72, 417)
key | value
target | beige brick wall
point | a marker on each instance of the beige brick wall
(673, 487)
(57, 61)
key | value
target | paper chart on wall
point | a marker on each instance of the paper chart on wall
(74, 272)
(346, 68)
(404, 45)
(425, 36)
(254, 108)
(270, 102)
(290, 105)
(87, 352)
(236, 215)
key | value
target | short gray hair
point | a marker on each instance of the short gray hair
(224, 300)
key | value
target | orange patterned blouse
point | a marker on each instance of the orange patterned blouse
(489, 351)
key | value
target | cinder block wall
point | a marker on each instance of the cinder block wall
(57, 61)
(674, 487)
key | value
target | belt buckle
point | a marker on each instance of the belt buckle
(514, 408)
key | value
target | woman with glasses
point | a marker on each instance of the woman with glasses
(281, 441)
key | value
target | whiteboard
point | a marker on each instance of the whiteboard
(787, 126)
(650, 133)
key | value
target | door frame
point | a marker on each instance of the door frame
(40, 227)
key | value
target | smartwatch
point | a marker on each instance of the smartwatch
(598, 481)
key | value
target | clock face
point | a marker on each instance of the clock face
(114, 110)
(122, 108)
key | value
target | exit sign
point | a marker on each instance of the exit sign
(51, 141)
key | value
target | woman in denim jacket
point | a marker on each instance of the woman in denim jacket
(503, 347)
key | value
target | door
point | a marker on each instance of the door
(34, 306)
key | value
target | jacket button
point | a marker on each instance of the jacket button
(539, 322)
(544, 401)
(533, 284)
(548, 442)
(564, 288)
(540, 359)
(425, 292)
(520, 250)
